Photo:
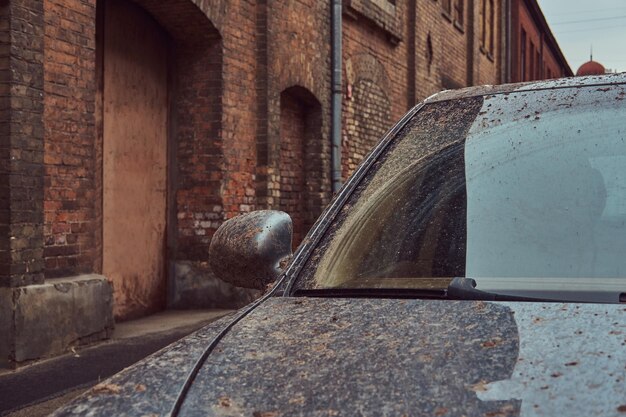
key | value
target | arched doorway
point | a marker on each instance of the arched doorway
(301, 167)
(367, 114)
(160, 117)
(134, 129)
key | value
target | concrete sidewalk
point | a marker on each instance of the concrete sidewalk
(40, 388)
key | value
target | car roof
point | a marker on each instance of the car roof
(570, 82)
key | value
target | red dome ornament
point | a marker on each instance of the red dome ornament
(591, 68)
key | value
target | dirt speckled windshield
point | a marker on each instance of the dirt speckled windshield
(514, 190)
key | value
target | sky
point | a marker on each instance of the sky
(577, 25)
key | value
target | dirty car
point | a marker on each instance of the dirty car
(473, 265)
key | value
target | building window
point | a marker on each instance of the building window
(483, 35)
(487, 27)
(447, 7)
(491, 27)
(429, 52)
(523, 56)
(458, 12)
(531, 70)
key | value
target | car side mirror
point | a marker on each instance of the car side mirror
(251, 250)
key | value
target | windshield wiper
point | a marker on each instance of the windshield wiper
(458, 289)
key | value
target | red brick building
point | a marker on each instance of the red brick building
(533, 52)
(132, 129)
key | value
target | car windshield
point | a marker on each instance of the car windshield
(519, 191)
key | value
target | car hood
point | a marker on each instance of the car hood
(334, 357)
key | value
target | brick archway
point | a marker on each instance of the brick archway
(301, 168)
(181, 140)
(367, 113)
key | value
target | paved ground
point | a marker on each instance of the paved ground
(40, 388)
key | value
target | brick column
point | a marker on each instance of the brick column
(21, 142)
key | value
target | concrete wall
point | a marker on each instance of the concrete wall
(44, 320)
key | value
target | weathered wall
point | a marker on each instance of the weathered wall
(296, 60)
(488, 60)
(21, 142)
(70, 166)
(533, 41)
(5, 143)
(198, 159)
(135, 129)
(375, 59)
(293, 116)
(397, 55)
(48, 319)
(214, 134)
(524, 17)
(552, 69)
(300, 166)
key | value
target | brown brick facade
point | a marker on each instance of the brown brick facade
(535, 54)
(301, 168)
(248, 117)
(21, 143)
(389, 67)
(69, 126)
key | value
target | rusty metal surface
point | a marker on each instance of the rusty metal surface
(251, 250)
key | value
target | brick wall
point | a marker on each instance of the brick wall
(441, 48)
(69, 127)
(21, 143)
(230, 64)
(533, 41)
(526, 16)
(488, 58)
(297, 60)
(552, 69)
(293, 115)
(237, 27)
(375, 63)
(199, 158)
(300, 168)
(5, 143)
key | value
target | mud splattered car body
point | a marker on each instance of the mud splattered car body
(363, 323)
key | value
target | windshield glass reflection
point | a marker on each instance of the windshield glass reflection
(497, 189)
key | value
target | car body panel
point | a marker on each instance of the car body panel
(385, 357)
(152, 385)
(560, 83)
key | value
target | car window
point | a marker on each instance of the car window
(520, 185)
